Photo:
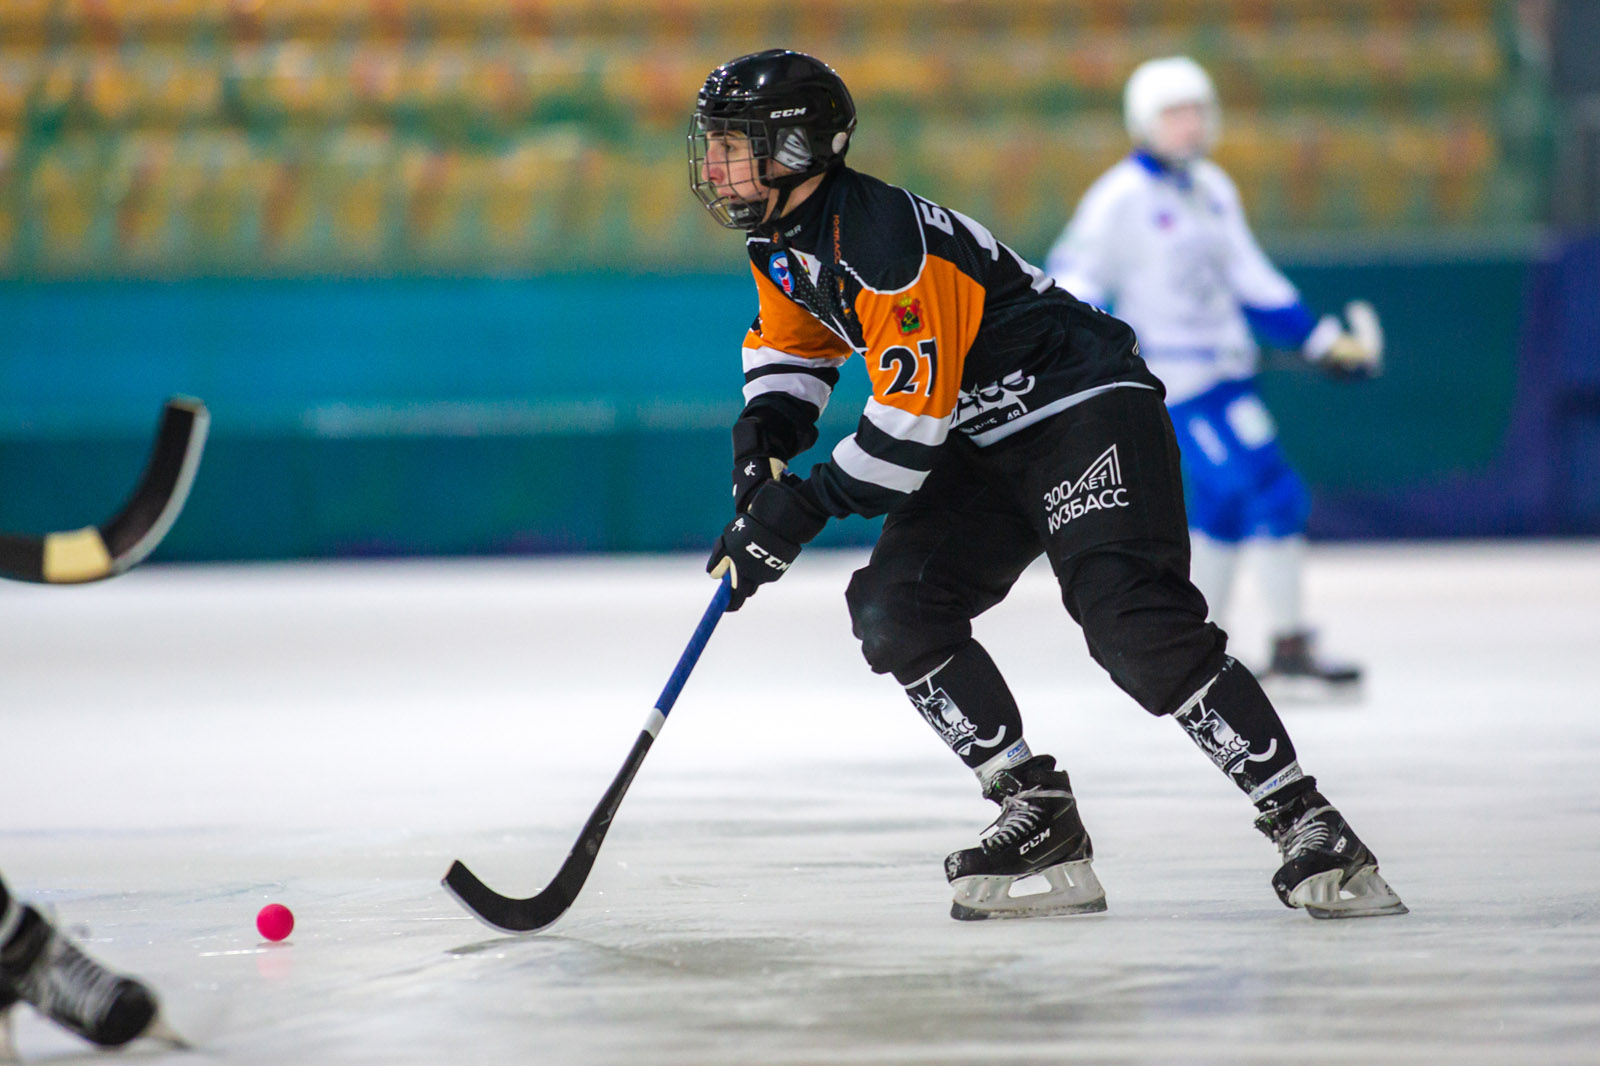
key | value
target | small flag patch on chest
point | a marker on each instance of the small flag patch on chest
(778, 267)
(910, 312)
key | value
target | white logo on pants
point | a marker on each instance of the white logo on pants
(1099, 489)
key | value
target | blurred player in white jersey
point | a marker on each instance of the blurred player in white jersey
(1162, 238)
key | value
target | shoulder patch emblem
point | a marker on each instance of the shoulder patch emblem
(778, 267)
(909, 312)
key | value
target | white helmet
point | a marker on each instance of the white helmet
(1158, 84)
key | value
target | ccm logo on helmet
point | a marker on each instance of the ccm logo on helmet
(790, 112)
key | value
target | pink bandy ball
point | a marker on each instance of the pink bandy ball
(275, 921)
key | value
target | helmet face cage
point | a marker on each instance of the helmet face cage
(785, 108)
(745, 204)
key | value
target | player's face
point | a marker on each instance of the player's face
(1180, 132)
(735, 172)
(732, 169)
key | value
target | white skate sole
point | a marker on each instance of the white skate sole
(1364, 895)
(1074, 889)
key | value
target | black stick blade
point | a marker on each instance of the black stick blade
(154, 506)
(97, 552)
(504, 913)
(530, 915)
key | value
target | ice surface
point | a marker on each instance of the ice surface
(184, 745)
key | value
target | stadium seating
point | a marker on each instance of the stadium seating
(394, 135)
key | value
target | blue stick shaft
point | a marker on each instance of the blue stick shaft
(697, 644)
(538, 912)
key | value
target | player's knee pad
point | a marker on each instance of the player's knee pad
(1281, 506)
(1145, 623)
(897, 636)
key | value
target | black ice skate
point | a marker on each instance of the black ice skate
(1296, 673)
(1038, 832)
(1326, 869)
(42, 967)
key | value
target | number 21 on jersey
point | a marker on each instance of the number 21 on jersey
(907, 367)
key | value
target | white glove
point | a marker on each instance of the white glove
(1356, 349)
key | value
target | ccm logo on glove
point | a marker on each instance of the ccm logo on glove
(760, 546)
(767, 557)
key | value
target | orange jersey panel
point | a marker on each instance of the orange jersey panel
(788, 327)
(917, 339)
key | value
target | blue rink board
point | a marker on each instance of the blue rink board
(572, 413)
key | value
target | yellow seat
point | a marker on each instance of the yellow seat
(8, 219)
(20, 70)
(109, 86)
(25, 23)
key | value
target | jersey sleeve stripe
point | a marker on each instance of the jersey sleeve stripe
(923, 429)
(826, 374)
(758, 355)
(841, 493)
(980, 234)
(851, 458)
(800, 386)
(1038, 280)
(880, 445)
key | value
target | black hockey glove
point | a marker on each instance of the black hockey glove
(754, 463)
(758, 546)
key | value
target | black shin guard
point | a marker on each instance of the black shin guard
(967, 702)
(1235, 724)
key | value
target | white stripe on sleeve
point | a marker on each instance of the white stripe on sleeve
(869, 468)
(903, 425)
(980, 233)
(802, 386)
(755, 358)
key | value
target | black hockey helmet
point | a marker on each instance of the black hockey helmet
(793, 109)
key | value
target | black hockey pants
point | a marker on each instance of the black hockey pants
(1097, 488)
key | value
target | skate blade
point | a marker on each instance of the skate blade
(162, 1032)
(1364, 894)
(1074, 889)
(158, 1030)
(1312, 691)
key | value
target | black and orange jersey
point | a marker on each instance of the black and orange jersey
(959, 333)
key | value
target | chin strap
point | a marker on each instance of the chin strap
(785, 185)
(780, 205)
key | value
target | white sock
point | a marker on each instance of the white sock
(1015, 755)
(1211, 566)
(1280, 562)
